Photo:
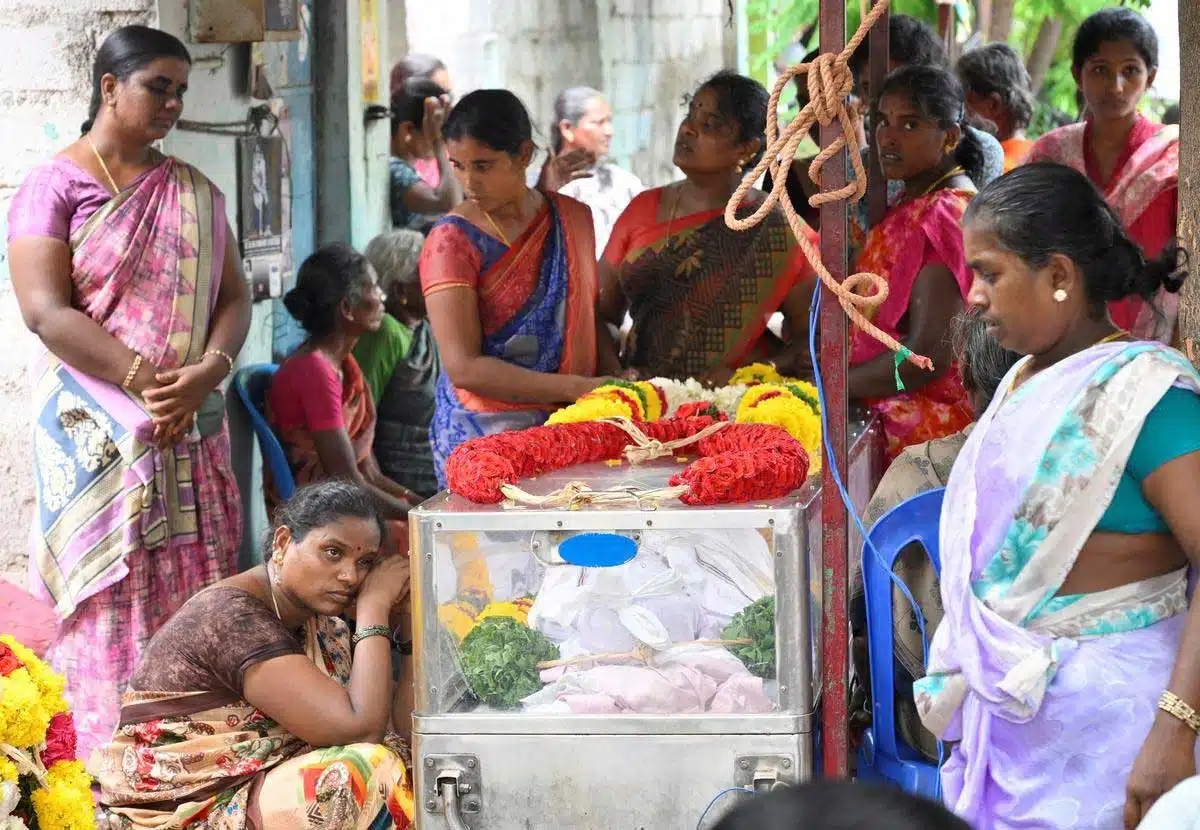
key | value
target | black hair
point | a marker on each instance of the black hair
(996, 68)
(408, 102)
(744, 101)
(570, 105)
(414, 66)
(1043, 209)
(493, 117)
(1171, 115)
(911, 42)
(938, 96)
(321, 504)
(332, 274)
(840, 805)
(124, 52)
(1110, 26)
(982, 361)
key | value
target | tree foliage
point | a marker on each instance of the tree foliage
(775, 23)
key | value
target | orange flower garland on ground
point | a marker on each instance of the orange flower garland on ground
(37, 748)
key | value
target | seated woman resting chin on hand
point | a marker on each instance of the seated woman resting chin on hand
(255, 703)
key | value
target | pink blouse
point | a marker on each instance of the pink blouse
(55, 199)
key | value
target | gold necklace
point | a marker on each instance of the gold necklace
(103, 166)
(1116, 335)
(496, 228)
(957, 171)
(271, 588)
(675, 206)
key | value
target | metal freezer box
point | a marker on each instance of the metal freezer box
(614, 771)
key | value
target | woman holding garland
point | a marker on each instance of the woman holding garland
(510, 284)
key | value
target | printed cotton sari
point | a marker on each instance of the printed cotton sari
(700, 294)
(1144, 192)
(916, 234)
(208, 761)
(537, 302)
(1049, 698)
(125, 533)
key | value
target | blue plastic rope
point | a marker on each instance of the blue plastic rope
(814, 318)
(717, 798)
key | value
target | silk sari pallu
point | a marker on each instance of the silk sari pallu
(204, 760)
(1027, 683)
(550, 329)
(124, 533)
(701, 297)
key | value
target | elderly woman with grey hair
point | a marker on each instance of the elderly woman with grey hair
(401, 365)
(583, 126)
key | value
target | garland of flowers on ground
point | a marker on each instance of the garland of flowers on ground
(42, 786)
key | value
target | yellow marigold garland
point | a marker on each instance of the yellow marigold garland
(756, 373)
(793, 406)
(65, 803)
(31, 695)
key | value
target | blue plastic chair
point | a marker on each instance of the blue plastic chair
(882, 756)
(251, 384)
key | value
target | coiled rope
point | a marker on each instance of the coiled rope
(830, 83)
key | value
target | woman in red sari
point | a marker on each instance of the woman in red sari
(700, 295)
(1132, 160)
(917, 248)
(510, 284)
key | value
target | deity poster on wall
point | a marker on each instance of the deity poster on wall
(260, 213)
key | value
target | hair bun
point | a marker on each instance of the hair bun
(298, 303)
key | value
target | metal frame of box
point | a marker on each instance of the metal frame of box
(472, 747)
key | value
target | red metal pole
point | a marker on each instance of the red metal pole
(835, 629)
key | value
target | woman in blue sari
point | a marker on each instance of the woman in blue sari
(510, 283)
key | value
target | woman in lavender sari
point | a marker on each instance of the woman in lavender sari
(1066, 671)
(124, 268)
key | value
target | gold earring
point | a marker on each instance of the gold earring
(1060, 295)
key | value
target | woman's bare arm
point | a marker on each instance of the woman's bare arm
(454, 315)
(41, 276)
(1169, 754)
(935, 301)
(319, 710)
(337, 460)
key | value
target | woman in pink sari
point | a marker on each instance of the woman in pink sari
(121, 267)
(1131, 159)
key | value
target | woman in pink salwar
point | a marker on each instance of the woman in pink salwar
(1131, 159)
(1065, 675)
(124, 267)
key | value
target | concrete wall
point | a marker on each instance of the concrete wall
(645, 55)
(45, 86)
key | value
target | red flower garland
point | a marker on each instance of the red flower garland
(9, 662)
(743, 462)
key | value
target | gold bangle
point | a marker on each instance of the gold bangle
(133, 370)
(1175, 706)
(224, 357)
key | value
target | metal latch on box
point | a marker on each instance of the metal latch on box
(453, 788)
(763, 773)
